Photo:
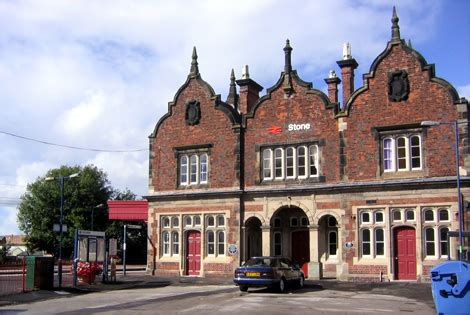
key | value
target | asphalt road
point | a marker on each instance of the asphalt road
(323, 298)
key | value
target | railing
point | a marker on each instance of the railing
(12, 275)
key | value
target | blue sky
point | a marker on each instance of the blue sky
(99, 74)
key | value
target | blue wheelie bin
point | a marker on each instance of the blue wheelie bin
(451, 287)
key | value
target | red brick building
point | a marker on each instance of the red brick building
(351, 189)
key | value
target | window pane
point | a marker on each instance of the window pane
(193, 168)
(428, 215)
(175, 240)
(166, 222)
(379, 217)
(197, 220)
(401, 153)
(365, 235)
(410, 215)
(388, 159)
(203, 169)
(175, 222)
(210, 243)
(277, 222)
(331, 222)
(415, 152)
(301, 161)
(220, 220)
(267, 164)
(294, 222)
(443, 215)
(365, 242)
(304, 221)
(210, 221)
(396, 216)
(443, 240)
(332, 243)
(278, 163)
(166, 243)
(365, 217)
(277, 244)
(379, 242)
(429, 236)
(184, 169)
(313, 160)
(221, 243)
(290, 162)
(187, 221)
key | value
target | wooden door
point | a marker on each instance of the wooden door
(405, 253)
(301, 250)
(193, 253)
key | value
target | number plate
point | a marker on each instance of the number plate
(252, 274)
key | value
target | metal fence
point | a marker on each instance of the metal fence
(12, 276)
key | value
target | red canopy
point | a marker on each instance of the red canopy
(133, 210)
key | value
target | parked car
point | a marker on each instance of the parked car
(274, 272)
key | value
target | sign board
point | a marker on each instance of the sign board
(232, 249)
(56, 228)
(133, 226)
(91, 233)
(348, 245)
(113, 247)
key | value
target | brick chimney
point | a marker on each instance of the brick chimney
(347, 65)
(249, 91)
(333, 82)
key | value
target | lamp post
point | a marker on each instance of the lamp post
(93, 213)
(61, 180)
(429, 123)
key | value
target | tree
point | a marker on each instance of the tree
(39, 208)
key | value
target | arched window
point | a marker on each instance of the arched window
(415, 149)
(197, 220)
(193, 169)
(428, 216)
(429, 241)
(379, 217)
(210, 243)
(175, 222)
(166, 222)
(443, 215)
(402, 159)
(220, 220)
(203, 169)
(188, 221)
(365, 242)
(290, 156)
(183, 170)
(210, 221)
(443, 241)
(397, 215)
(313, 160)
(302, 162)
(365, 217)
(410, 215)
(379, 242)
(175, 243)
(279, 163)
(166, 243)
(388, 155)
(221, 243)
(267, 164)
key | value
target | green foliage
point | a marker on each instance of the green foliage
(39, 208)
(4, 253)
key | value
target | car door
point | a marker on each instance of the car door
(287, 269)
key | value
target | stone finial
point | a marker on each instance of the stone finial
(347, 51)
(409, 43)
(395, 27)
(232, 97)
(332, 74)
(287, 52)
(245, 72)
(194, 65)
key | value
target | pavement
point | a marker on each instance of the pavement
(414, 290)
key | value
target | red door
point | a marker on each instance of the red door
(301, 250)
(405, 253)
(193, 253)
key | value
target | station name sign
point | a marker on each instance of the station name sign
(290, 127)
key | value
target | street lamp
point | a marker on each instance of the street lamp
(61, 180)
(93, 213)
(430, 123)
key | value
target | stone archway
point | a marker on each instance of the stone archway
(253, 238)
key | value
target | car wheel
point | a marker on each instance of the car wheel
(282, 285)
(243, 288)
(301, 282)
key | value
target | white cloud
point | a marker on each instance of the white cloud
(464, 91)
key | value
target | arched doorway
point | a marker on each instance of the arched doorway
(193, 253)
(328, 250)
(404, 244)
(253, 238)
(290, 236)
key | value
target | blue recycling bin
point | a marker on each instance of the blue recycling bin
(451, 287)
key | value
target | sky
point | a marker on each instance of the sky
(100, 74)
